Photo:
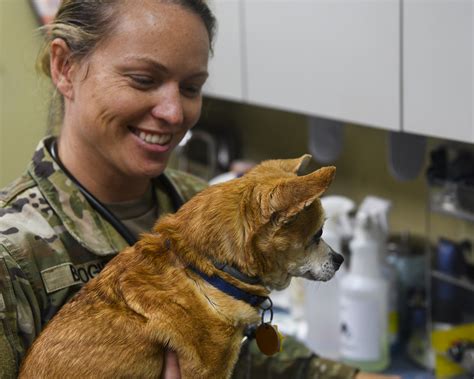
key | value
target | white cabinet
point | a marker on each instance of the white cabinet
(438, 68)
(392, 64)
(225, 67)
(338, 59)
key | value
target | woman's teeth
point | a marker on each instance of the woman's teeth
(155, 139)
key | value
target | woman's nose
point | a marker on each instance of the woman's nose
(168, 104)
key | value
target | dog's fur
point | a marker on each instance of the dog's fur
(147, 299)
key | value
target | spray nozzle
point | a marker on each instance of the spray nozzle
(337, 210)
(377, 210)
(362, 224)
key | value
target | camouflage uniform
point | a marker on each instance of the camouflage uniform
(52, 242)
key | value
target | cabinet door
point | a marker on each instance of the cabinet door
(438, 68)
(338, 59)
(225, 67)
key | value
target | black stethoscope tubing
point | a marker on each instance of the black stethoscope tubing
(103, 210)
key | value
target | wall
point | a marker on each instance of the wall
(24, 96)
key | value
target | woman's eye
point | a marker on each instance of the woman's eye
(141, 80)
(191, 91)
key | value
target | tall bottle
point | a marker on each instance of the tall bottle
(377, 209)
(363, 302)
(322, 299)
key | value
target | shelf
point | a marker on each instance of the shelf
(451, 210)
(460, 282)
(444, 199)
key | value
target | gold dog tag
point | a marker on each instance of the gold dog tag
(269, 339)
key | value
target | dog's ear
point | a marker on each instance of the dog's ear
(295, 166)
(290, 196)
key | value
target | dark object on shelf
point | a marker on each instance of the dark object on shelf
(461, 168)
(465, 195)
(446, 296)
(449, 257)
(438, 169)
(462, 352)
(468, 251)
(452, 165)
(417, 346)
(451, 176)
(406, 253)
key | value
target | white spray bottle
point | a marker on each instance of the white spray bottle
(363, 302)
(322, 299)
(377, 208)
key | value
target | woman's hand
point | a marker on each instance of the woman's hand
(369, 375)
(170, 366)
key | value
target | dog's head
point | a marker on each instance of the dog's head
(267, 223)
(288, 235)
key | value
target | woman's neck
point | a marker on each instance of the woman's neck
(104, 182)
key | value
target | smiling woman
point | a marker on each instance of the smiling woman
(129, 103)
(128, 82)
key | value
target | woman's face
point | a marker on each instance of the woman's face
(139, 92)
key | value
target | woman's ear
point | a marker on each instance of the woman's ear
(61, 67)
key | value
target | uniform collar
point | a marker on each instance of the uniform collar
(79, 218)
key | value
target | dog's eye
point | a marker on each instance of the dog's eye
(317, 236)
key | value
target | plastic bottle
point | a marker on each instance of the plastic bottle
(322, 298)
(364, 305)
(377, 209)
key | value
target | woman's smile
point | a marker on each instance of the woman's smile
(151, 140)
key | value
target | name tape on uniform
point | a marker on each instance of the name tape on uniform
(67, 274)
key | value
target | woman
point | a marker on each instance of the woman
(128, 76)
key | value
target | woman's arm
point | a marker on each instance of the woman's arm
(7, 359)
(11, 346)
(296, 361)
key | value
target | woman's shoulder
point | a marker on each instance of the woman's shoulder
(15, 189)
(23, 212)
(20, 201)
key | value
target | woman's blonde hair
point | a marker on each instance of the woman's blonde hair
(83, 24)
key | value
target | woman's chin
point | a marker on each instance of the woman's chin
(152, 170)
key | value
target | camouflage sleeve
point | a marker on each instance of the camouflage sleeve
(16, 314)
(295, 361)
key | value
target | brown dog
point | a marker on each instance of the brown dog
(266, 226)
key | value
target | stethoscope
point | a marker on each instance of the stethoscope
(176, 198)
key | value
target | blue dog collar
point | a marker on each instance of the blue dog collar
(229, 289)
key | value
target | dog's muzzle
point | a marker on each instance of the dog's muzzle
(336, 259)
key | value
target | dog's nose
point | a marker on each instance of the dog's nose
(337, 260)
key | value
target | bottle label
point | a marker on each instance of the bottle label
(393, 327)
(361, 329)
